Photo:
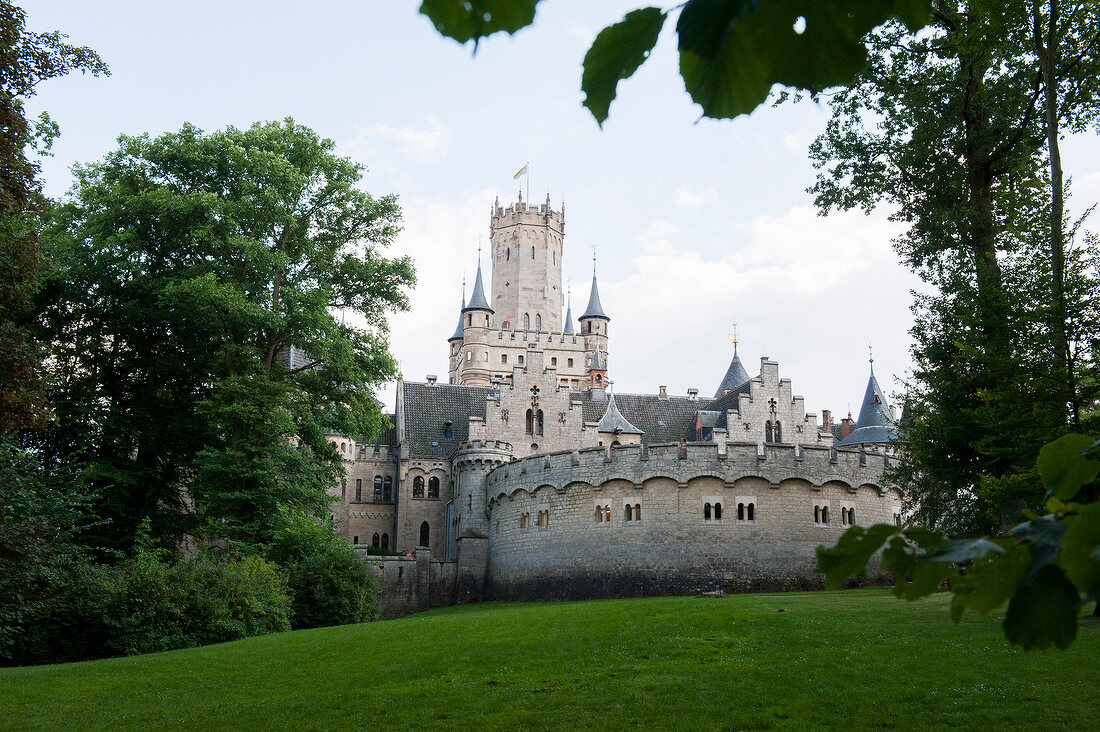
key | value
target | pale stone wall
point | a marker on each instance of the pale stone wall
(770, 399)
(411, 584)
(414, 511)
(673, 548)
(526, 248)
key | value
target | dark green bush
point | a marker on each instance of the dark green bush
(328, 583)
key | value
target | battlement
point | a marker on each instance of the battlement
(522, 212)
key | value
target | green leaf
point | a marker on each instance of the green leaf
(731, 53)
(1045, 530)
(465, 20)
(1043, 611)
(914, 575)
(990, 581)
(852, 552)
(1081, 549)
(962, 550)
(616, 54)
(1063, 467)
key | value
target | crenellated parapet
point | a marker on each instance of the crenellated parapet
(523, 212)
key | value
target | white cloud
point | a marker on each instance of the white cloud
(427, 143)
(686, 198)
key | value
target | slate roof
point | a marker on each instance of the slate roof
(458, 328)
(477, 300)
(388, 436)
(874, 424)
(736, 375)
(599, 363)
(613, 420)
(659, 420)
(426, 407)
(568, 328)
(725, 403)
(595, 309)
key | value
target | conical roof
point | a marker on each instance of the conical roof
(567, 329)
(613, 420)
(458, 328)
(874, 423)
(477, 300)
(736, 375)
(595, 309)
(599, 363)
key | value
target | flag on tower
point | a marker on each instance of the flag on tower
(521, 171)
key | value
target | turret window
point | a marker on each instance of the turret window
(377, 489)
(532, 252)
(433, 487)
(526, 321)
(387, 491)
(418, 487)
(538, 323)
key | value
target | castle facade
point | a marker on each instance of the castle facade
(536, 480)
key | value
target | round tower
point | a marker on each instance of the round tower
(472, 463)
(526, 245)
(593, 324)
(476, 322)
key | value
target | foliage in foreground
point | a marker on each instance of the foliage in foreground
(1045, 570)
(731, 51)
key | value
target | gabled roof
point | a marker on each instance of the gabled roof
(874, 423)
(595, 309)
(736, 375)
(477, 300)
(427, 406)
(613, 420)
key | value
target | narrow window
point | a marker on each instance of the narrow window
(433, 487)
(538, 322)
(486, 321)
(358, 489)
(538, 422)
(740, 511)
(851, 517)
(418, 487)
(629, 514)
(607, 514)
(385, 541)
(718, 512)
(508, 255)
(569, 363)
(824, 514)
(374, 541)
(469, 320)
(387, 494)
(378, 487)
(469, 356)
(521, 360)
(817, 514)
(532, 252)
(553, 361)
(425, 530)
(599, 515)
(504, 358)
(637, 512)
(778, 432)
(355, 539)
(530, 422)
(526, 321)
(844, 516)
(768, 431)
(752, 511)
(706, 511)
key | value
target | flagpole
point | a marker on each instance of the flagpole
(528, 184)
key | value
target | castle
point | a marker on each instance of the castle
(529, 477)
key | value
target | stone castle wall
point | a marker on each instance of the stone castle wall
(411, 584)
(672, 548)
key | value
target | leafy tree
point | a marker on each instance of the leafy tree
(26, 59)
(731, 51)
(189, 265)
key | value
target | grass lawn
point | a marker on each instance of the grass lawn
(860, 659)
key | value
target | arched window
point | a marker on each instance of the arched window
(385, 541)
(817, 514)
(538, 322)
(706, 511)
(469, 320)
(752, 512)
(718, 512)
(740, 511)
(778, 432)
(637, 512)
(387, 493)
(607, 513)
(844, 516)
(538, 422)
(530, 422)
(768, 431)
(824, 514)
(599, 515)
(526, 321)
(425, 530)
(599, 378)
(358, 489)
(374, 540)
(851, 517)
(378, 487)
(629, 513)
(418, 487)
(433, 487)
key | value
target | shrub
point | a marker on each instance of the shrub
(328, 583)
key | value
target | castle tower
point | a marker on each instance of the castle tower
(526, 246)
(472, 464)
(597, 370)
(736, 375)
(454, 343)
(474, 353)
(594, 328)
(876, 424)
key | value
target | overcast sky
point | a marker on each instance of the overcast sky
(698, 222)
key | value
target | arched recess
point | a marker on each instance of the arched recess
(577, 485)
(425, 534)
(607, 483)
(801, 485)
(750, 483)
(872, 487)
(836, 486)
(659, 477)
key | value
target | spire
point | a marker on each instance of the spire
(613, 420)
(599, 363)
(874, 424)
(477, 300)
(567, 329)
(736, 375)
(458, 328)
(595, 309)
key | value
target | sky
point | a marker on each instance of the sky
(697, 223)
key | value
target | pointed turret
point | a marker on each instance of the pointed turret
(874, 424)
(477, 300)
(614, 422)
(568, 328)
(458, 328)
(736, 375)
(595, 309)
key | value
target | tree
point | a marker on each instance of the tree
(190, 264)
(26, 59)
(947, 129)
(731, 51)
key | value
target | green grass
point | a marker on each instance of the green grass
(851, 660)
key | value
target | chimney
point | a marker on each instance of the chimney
(893, 413)
(826, 421)
(663, 392)
(431, 379)
(845, 427)
(693, 393)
